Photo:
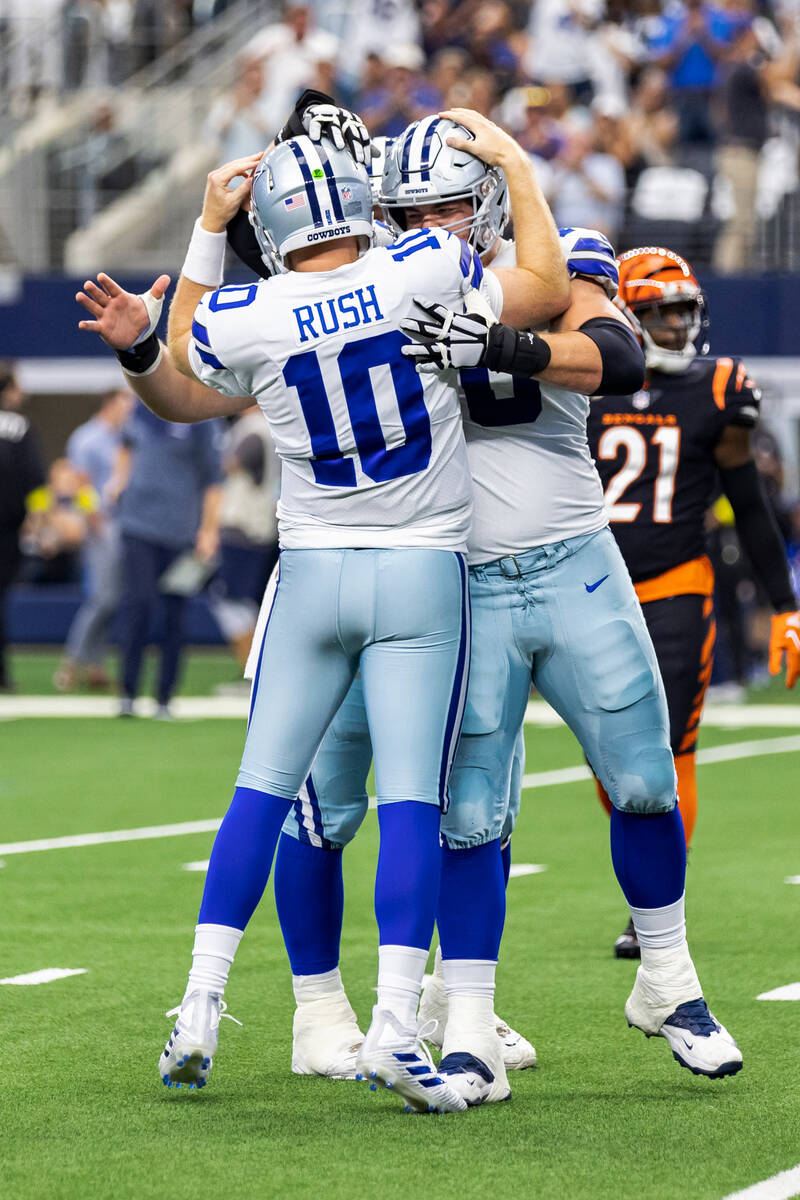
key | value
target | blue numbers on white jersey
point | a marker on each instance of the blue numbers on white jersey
(413, 242)
(355, 360)
(235, 295)
(492, 411)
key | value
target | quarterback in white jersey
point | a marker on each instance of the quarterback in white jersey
(360, 586)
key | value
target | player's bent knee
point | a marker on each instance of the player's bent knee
(647, 783)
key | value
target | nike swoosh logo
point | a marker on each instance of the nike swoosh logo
(591, 587)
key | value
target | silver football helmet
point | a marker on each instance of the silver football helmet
(307, 193)
(422, 169)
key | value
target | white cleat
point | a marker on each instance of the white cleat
(697, 1039)
(326, 1038)
(188, 1055)
(518, 1053)
(472, 1063)
(397, 1058)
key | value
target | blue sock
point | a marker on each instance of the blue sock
(472, 902)
(309, 896)
(505, 851)
(407, 881)
(649, 857)
(241, 857)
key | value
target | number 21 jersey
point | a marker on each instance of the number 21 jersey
(373, 454)
(655, 455)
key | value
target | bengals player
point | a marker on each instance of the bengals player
(661, 454)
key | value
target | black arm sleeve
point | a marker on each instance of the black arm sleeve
(623, 360)
(758, 532)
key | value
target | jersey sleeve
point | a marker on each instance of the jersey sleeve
(589, 253)
(492, 291)
(218, 335)
(735, 395)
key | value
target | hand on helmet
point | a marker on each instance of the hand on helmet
(489, 142)
(344, 128)
(443, 338)
(221, 202)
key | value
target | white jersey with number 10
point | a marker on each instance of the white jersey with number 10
(373, 454)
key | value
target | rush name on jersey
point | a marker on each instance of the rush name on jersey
(372, 453)
(655, 455)
(533, 476)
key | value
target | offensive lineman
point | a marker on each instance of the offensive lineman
(539, 550)
(659, 454)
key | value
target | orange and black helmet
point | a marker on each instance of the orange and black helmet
(651, 277)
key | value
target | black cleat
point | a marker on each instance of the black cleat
(627, 944)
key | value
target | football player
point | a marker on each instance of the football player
(373, 518)
(661, 453)
(540, 555)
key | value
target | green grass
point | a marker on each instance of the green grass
(607, 1114)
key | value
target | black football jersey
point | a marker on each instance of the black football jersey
(655, 455)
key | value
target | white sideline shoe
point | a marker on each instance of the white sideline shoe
(472, 1063)
(188, 1055)
(397, 1058)
(326, 1038)
(697, 1039)
(518, 1053)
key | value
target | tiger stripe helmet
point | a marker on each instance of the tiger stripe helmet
(649, 278)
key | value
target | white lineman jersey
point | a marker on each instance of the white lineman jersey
(373, 454)
(534, 480)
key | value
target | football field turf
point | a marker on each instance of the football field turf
(606, 1113)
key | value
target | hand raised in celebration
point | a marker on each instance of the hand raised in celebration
(221, 202)
(344, 128)
(121, 318)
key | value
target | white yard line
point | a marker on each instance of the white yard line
(518, 869)
(789, 991)
(47, 975)
(713, 754)
(722, 716)
(778, 1187)
(792, 879)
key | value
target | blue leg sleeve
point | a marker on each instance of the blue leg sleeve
(407, 882)
(242, 857)
(506, 855)
(649, 856)
(472, 903)
(309, 896)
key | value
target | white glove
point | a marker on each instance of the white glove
(443, 338)
(344, 128)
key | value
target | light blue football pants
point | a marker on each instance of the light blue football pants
(402, 618)
(565, 617)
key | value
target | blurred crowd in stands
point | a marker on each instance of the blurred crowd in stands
(681, 117)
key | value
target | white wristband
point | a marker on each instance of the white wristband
(205, 257)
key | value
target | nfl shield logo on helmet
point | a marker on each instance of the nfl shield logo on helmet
(347, 193)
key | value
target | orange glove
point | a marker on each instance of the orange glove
(784, 638)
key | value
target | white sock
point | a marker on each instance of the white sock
(308, 988)
(400, 971)
(469, 983)
(212, 955)
(660, 928)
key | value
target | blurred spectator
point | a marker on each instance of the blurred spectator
(290, 51)
(560, 46)
(237, 122)
(527, 112)
(692, 38)
(403, 97)
(652, 122)
(588, 187)
(92, 449)
(248, 530)
(614, 135)
(743, 128)
(21, 472)
(60, 515)
(369, 27)
(100, 165)
(167, 477)
(490, 45)
(31, 52)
